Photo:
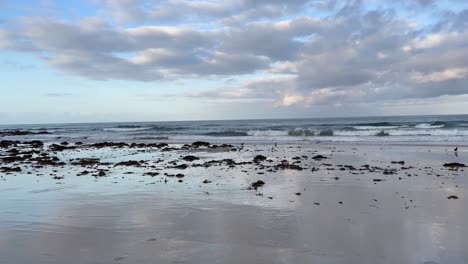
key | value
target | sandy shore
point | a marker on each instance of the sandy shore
(315, 203)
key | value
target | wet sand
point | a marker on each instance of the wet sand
(318, 203)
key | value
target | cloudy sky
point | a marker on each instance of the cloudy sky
(136, 60)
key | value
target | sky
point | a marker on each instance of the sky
(137, 60)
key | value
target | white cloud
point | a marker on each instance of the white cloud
(289, 100)
(445, 75)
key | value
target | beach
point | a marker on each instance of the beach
(200, 202)
(234, 132)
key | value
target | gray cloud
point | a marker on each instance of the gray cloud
(134, 11)
(351, 53)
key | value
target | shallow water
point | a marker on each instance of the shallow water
(134, 219)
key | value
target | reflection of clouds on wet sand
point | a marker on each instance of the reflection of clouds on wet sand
(130, 220)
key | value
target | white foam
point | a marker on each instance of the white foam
(427, 126)
(267, 133)
(375, 127)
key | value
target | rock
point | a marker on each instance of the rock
(13, 151)
(48, 161)
(259, 158)
(128, 163)
(298, 193)
(198, 144)
(55, 147)
(319, 157)
(257, 184)
(190, 158)
(454, 165)
(206, 181)
(12, 169)
(285, 165)
(398, 162)
(83, 173)
(389, 172)
(8, 143)
(377, 180)
(34, 143)
(152, 174)
(109, 144)
(86, 162)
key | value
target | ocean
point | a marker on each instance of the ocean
(420, 130)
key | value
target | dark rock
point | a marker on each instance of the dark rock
(319, 157)
(285, 165)
(389, 172)
(12, 169)
(259, 158)
(83, 173)
(34, 143)
(109, 145)
(152, 174)
(8, 143)
(198, 144)
(190, 158)
(454, 165)
(398, 162)
(128, 163)
(86, 162)
(13, 151)
(257, 184)
(55, 147)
